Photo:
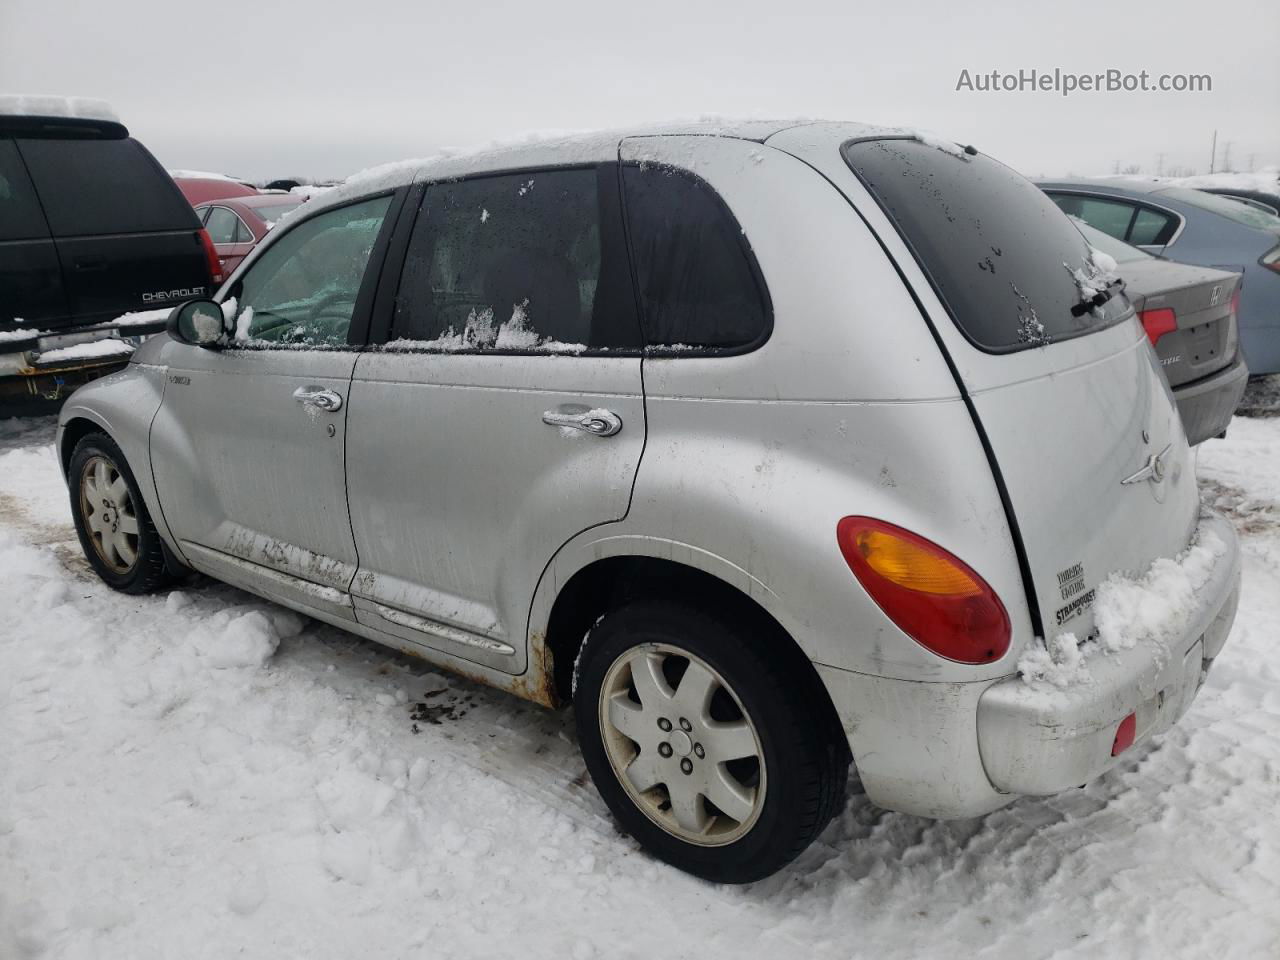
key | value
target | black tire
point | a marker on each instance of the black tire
(148, 571)
(806, 769)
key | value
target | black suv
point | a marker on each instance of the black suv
(91, 227)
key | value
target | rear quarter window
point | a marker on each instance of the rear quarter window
(1010, 266)
(698, 283)
(94, 187)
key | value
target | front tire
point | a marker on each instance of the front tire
(116, 533)
(704, 745)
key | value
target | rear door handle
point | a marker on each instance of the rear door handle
(598, 422)
(318, 397)
(87, 264)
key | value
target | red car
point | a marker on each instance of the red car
(237, 224)
(203, 187)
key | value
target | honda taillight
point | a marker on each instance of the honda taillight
(933, 597)
(1158, 322)
(211, 255)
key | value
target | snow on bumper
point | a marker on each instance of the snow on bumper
(1039, 739)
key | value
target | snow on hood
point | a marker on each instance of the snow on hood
(1152, 608)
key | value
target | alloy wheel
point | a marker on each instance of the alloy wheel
(681, 744)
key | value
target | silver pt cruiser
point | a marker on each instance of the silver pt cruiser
(770, 447)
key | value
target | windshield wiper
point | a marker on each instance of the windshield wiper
(1098, 299)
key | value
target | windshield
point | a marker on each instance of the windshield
(1118, 250)
(1250, 216)
(1013, 271)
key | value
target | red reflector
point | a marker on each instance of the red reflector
(1124, 735)
(1158, 322)
(1235, 302)
(934, 597)
(211, 256)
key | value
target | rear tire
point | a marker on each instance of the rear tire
(116, 533)
(704, 745)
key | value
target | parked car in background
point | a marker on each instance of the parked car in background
(237, 224)
(1262, 188)
(91, 227)
(199, 187)
(1193, 227)
(1189, 314)
(769, 447)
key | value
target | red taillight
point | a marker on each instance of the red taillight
(1124, 735)
(1158, 322)
(933, 597)
(1235, 303)
(211, 255)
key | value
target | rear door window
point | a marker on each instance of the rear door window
(698, 283)
(518, 262)
(20, 216)
(94, 187)
(1152, 228)
(223, 225)
(1110, 216)
(1012, 269)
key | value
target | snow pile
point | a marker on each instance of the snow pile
(154, 803)
(94, 349)
(139, 317)
(18, 334)
(1153, 608)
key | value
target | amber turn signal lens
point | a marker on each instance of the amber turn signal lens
(933, 596)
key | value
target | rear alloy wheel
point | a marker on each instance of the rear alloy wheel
(688, 756)
(116, 533)
(706, 739)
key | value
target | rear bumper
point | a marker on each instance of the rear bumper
(1041, 740)
(1206, 406)
(952, 750)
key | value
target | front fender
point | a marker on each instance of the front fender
(122, 406)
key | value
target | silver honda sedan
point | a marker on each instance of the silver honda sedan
(771, 448)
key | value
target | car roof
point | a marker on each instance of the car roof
(1117, 185)
(268, 200)
(587, 147)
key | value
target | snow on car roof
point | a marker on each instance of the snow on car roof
(47, 105)
(553, 148)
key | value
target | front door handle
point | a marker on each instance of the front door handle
(319, 398)
(598, 422)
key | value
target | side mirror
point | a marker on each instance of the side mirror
(199, 323)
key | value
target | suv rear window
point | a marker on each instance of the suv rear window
(93, 187)
(1008, 264)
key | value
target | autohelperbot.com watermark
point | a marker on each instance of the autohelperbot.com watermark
(1067, 82)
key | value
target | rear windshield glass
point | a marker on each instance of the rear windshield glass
(1118, 250)
(91, 187)
(271, 213)
(1231, 209)
(1012, 269)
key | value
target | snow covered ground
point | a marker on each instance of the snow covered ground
(201, 774)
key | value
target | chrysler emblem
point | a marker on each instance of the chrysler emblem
(1153, 470)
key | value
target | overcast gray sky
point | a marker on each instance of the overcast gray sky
(259, 88)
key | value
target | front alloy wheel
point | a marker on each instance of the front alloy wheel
(108, 511)
(117, 535)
